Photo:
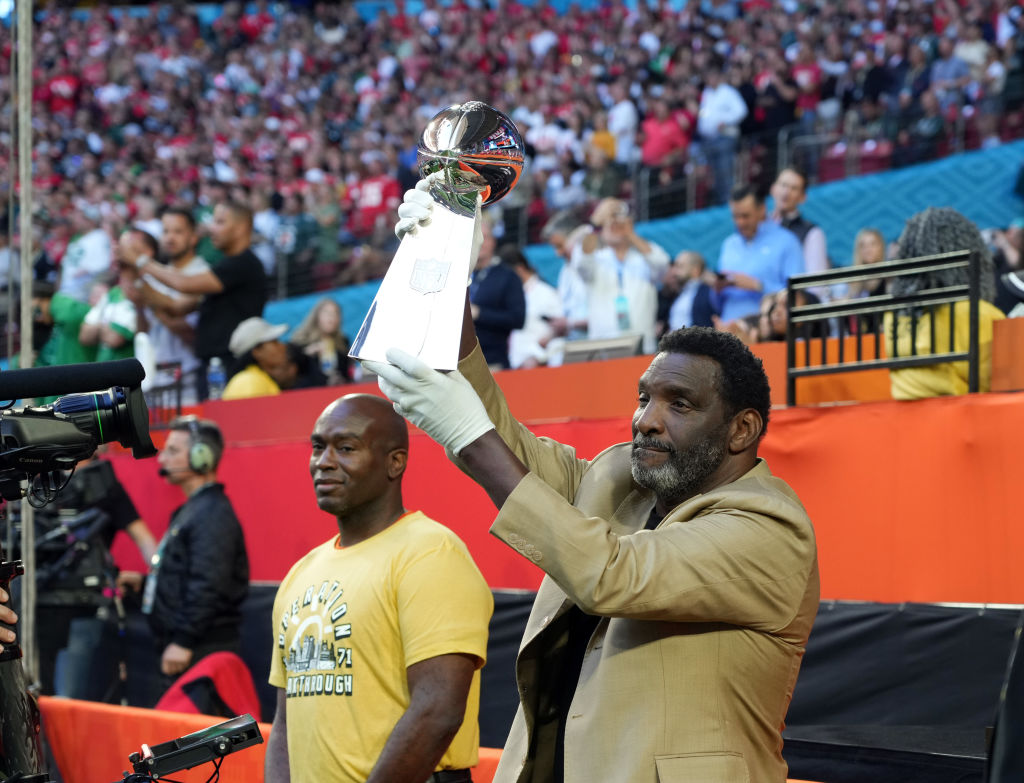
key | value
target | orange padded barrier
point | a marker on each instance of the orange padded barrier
(912, 501)
(589, 390)
(484, 771)
(856, 386)
(91, 741)
(1007, 350)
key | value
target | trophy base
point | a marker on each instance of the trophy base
(419, 305)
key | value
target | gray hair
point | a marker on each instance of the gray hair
(562, 222)
(943, 230)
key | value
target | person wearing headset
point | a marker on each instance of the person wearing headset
(199, 575)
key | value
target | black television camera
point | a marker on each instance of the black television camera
(42, 445)
(39, 443)
(73, 536)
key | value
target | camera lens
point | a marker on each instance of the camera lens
(111, 415)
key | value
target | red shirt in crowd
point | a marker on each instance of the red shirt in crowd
(253, 25)
(808, 77)
(61, 93)
(662, 138)
(372, 199)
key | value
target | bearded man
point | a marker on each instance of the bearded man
(682, 576)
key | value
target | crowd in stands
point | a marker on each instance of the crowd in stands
(307, 118)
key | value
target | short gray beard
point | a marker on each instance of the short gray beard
(684, 472)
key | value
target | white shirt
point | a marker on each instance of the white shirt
(524, 118)
(113, 313)
(572, 292)
(721, 105)
(622, 122)
(85, 260)
(995, 76)
(680, 314)
(167, 346)
(154, 227)
(634, 278)
(6, 273)
(541, 43)
(265, 223)
(541, 300)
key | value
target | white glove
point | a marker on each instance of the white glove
(415, 209)
(443, 405)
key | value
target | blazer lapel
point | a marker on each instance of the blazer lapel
(633, 511)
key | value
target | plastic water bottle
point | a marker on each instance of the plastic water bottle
(215, 379)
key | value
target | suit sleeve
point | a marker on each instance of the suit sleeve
(555, 463)
(747, 564)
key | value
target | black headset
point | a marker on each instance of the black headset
(202, 458)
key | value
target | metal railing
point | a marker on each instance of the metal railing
(881, 317)
(164, 402)
(655, 199)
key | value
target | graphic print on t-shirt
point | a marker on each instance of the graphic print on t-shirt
(313, 643)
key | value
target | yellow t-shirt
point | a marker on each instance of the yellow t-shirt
(250, 382)
(935, 380)
(349, 621)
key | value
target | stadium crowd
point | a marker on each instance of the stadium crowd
(308, 115)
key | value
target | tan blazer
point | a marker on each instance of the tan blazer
(704, 620)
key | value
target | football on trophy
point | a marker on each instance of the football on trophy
(470, 148)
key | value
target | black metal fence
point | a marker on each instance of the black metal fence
(164, 400)
(880, 318)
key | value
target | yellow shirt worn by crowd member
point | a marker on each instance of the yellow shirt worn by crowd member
(349, 621)
(250, 382)
(936, 380)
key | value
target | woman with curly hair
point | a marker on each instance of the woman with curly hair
(940, 230)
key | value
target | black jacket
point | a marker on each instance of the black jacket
(203, 573)
(498, 292)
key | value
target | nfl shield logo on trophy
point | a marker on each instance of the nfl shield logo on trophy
(429, 275)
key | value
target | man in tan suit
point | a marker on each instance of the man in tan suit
(682, 577)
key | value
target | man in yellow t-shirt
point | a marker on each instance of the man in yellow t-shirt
(379, 633)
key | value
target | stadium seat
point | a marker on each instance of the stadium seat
(832, 165)
(1012, 126)
(875, 155)
(972, 134)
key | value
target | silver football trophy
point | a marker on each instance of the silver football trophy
(470, 153)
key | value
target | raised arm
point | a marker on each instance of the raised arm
(202, 283)
(160, 301)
